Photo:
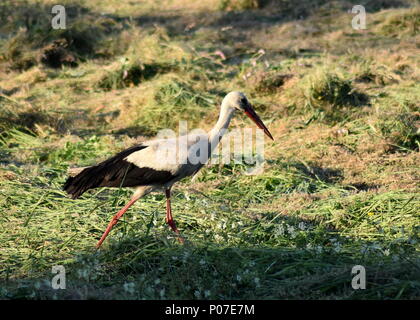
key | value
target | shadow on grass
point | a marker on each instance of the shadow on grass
(271, 13)
(237, 256)
(87, 29)
(270, 257)
(332, 176)
(32, 40)
(148, 268)
(326, 175)
(28, 120)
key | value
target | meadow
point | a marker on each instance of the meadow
(340, 185)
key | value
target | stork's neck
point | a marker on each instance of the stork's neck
(216, 134)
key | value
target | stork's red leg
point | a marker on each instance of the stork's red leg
(169, 219)
(115, 219)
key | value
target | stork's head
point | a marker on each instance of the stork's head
(237, 101)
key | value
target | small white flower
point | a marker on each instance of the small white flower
(207, 293)
(386, 252)
(157, 281)
(218, 238)
(279, 231)
(129, 287)
(290, 229)
(202, 262)
(197, 293)
(238, 277)
(257, 281)
(162, 293)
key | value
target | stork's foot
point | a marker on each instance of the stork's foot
(171, 223)
(108, 229)
(169, 219)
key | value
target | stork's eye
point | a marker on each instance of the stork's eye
(243, 101)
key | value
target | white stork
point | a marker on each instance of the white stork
(150, 166)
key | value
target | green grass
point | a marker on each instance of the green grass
(340, 182)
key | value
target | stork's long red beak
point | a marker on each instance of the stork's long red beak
(249, 111)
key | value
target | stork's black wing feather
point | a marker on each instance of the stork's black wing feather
(115, 172)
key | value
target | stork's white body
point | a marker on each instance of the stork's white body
(158, 164)
(172, 155)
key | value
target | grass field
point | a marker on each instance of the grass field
(340, 185)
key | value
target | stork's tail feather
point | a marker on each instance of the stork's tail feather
(83, 181)
(109, 173)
